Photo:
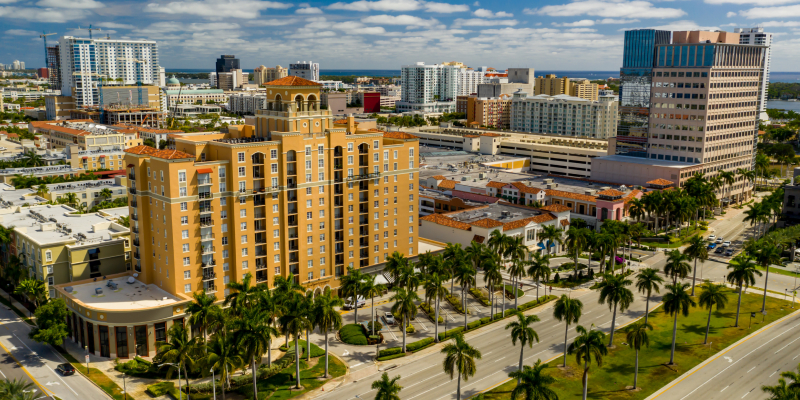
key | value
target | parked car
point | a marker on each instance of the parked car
(726, 243)
(720, 240)
(712, 245)
(712, 238)
(729, 252)
(719, 250)
(349, 305)
(389, 318)
(66, 369)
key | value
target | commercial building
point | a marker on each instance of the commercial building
(551, 85)
(757, 37)
(86, 135)
(225, 63)
(65, 171)
(154, 134)
(195, 96)
(564, 115)
(58, 108)
(306, 69)
(703, 112)
(89, 193)
(53, 66)
(43, 73)
(84, 62)
(233, 79)
(262, 74)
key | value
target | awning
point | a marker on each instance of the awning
(102, 156)
(541, 245)
(131, 165)
(381, 280)
(85, 158)
(93, 251)
(204, 170)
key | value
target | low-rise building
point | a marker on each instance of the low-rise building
(247, 103)
(87, 135)
(193, 96)
(66, 171)
(436, 202)
(89, 193)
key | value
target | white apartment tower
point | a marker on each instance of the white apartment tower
(84, 62)
(757, 37)
(305, 69)
(434, 88)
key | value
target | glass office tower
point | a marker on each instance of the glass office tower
(634, 89)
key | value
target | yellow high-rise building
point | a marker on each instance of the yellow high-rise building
(553, 86)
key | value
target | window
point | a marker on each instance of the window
(187, 274)
(273, 154)
(310, 275)
(225, 267)
(181, 176)
(184, 220)
(186, 247)
(321, 237)
(223, 214)
(242, 188)
(241, 157)
(274, 168)
(187, 288)
(224, 253)
(221, 172)
(224, 240)
(349, 160)
(224, 227)
(244, 263)
(309, 227)
(48, 256)
(349, 147)
(162, 176)
(276, 233)
(243, 213)
(184, 206)
(243, 226)
(276, 258)
(310, 239)
(185, 234)
(242, 171)
(244, 239)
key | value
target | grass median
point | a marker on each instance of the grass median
(613, 379)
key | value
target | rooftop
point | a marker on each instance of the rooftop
(127, 296)
(292, 81)
(10, 197)
(497, 214)
(56, 169)
(100, 184)
(50, 224)
(646, 161)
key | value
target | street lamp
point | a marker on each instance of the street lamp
(124, 387)
(180, 392)
(214, 383)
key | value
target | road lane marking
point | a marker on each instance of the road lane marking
(770, 375)
(787, 345)
(419, 370)
(353, 366)
(748, 371)
(499, 359)
(424, 380)
(723, 389)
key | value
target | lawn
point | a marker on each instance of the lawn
(278, 386)
(610, 380)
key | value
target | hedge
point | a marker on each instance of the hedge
(392, 357)
(456, 303)
(428, 310)
(390, 351)
(160, 389)
(410, 329)
(450, 333)
(316, 351)
(480, 297)
(238, 381)
(419, 345)
(531, 304)
(474, 324)
(353, 334)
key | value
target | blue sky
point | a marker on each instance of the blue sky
(385, 34)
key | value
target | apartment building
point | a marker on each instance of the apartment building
(263, 74)
(551, 85)
(489, 112)
(434, 88)
(89, 193)
(247, 103)
(564, 115)
(757, 37)
(308, 70)
(292, 194)
(65, 171)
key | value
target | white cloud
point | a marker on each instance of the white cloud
(779, 24)
(459, 22)
(8, 1)
(113, 25)
(730, 14)
(73, 4)
(445, 8)
(308, 10)
(407, 20)
(758, 2)
(42, 14)
(608, 8)
(616, 21)
(772, 12)
(484, 13)
(216, 9)
(21, 32)
(271, 22)
(583, 22)
(684, 25)
(477, 4)
(399, 5)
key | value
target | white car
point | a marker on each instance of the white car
(726, 243)
(712, 238)
(349, 305)
(720, 240)
(389, 318)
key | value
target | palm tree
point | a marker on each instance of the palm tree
(637, 337)
(648, 281)
(106, 193)
(755, 215)
(71, 198)
(203, 310)
(33, 289)
(532, 383)
(768, 253)
(253, 337)
(567, 310)
(539, 269)
(327, 318)
(42, 190)
(222, 356)
(713, 295)
(32, 159)
(522, 331)
(637, 209)
(588, 345)
(17, 389)
(728, 179)
(409, 278)
(371, 289)
(460, 359)
(780, 392)
(178, 350)
(676, 301)
(699, 251)
(465, 276)
(405, 307)
(516, 253)
(434, 289)
(351, 286)
(676, 266)
(613, 291)
(454, 257)
(124, 220)
(388, 389)
(743, 273)
(576, 242)
(293, 322)
(552, 235)
(396, 263)
(492, 277)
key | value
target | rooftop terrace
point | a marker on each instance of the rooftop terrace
(56, 224)
(126, 296)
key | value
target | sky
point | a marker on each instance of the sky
(578, 35)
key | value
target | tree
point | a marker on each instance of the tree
(522, 331)
(492, 277)
(203, 310)
(223, 357)
(742, 274)
(178, 350)
(516, 253)
(51, 327)
(71, 199)
(712, 295)
(371, 289)
(647, 282)
(676, 301)
(388, 389)
(33, 289)
(699, 251)
(395, 264)
(253, 336)
(32, 159)
(465, 276)
(569, 311)
(434, 288)
(552, 235)
(636, 336)
(460, 359)
(613, 291)
(539, 269)
(768, 253)
(17, 389)
(576, 242)
(125, 221)
(42, 190)
(588, 345)
(327, 318)
(676, 266)
(533, 383)
(106, 193)
(293, 322)
(781, 392)
(405, 307)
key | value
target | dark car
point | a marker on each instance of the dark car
(66, 369)
(728, 252)
(720, 250)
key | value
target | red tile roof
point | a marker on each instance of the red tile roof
(525, 188)
(439, 177)
(399, 135)
(172, 154)
(447, 184)
(660, 182)
(564, 222)
(557, 208)
(292, 81)
(491, 134)
(343, 121)
(478, 239)
(142, 150)
(525, 221)
(487, 223)
(610, 193)
(446, 221)
(495, 184)
(570, 195)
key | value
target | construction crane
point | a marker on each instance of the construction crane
(138, 74)
(44, 36)
(90, 29)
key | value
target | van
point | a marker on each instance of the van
(348, 304)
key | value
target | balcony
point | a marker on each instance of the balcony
(136, 255)
(260, 216)
(135, 229)
(362, 177)
(134, 204)
(209, 275)
(132, 177)
(132, 191)
(136, 242)
(260, 265)
(203, 181)
(207, 250)
(209, 287)
(209, 236)
(204, 195)
(206, 222)
(206, 210)
(209, 264)
(293, 258)
(260, 252)
(261, 276)
(135, 217)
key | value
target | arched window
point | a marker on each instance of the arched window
(299, 101)
(312, 102)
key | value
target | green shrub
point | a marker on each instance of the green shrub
(353, 334)
(450, 333)
(378, 326)
(534, 303)
(474, 324)
(429, 311)
(456, 303)
(419, 345)
(392, 357)
(480, 297)
(410, 329)
(390, 352)
(160, 389)
(316, 351)
(556, 278)
(485, 320)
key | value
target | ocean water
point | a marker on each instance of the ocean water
(784, 105)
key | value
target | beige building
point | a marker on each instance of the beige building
(553, 86)
(58, 107)
(231, 80)
(489, 112)
(263, 74)
(565, 115)
(86, 135)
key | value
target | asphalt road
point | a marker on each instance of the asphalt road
(37, 362)
(739, 372)
(424, 378)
